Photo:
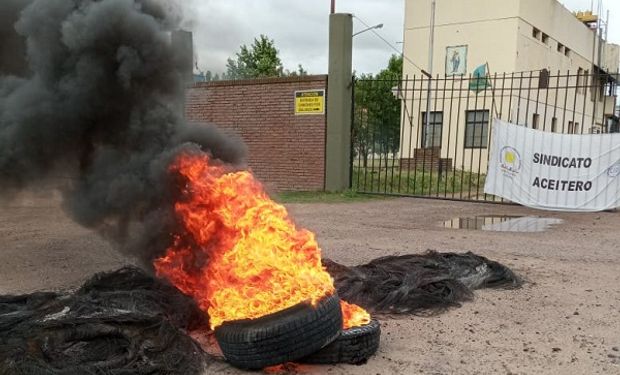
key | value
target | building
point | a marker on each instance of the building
(548, 69)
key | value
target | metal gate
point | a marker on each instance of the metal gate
(430, 138)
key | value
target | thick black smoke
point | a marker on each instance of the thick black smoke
(12, 45)
(99, 101)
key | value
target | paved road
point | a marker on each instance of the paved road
(564, 321)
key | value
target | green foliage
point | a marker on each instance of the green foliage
(209, 76)
(259, 60)
(300, 72)
(457, 183)
(323, 197)
(377, 112)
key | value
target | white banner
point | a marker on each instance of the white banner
(554, 171)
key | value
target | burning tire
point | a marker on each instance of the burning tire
(285, 336)
(354, 346)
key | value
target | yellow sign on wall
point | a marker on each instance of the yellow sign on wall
(310, 102)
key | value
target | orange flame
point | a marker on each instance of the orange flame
(257, 261)
(353, 315)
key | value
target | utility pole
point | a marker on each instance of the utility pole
(431, 48)
(431, 40)
(339, 103)
(600, 34)
(333, 8)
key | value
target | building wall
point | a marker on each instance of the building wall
(611, 57)
(286, 152)
(502, 36)
(490, 33)
(535, 54)
(482, 25)
(559, 23)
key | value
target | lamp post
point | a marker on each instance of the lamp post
(379, 26)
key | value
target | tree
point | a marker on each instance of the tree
(300, 72)
(388, 114)
(259, 60)
(362, 130)
(207, 76)
(377, 112)
(210, 77)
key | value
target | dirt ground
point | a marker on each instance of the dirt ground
(565, 320)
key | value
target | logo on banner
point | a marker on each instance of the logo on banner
(510, 161)
(614, 170)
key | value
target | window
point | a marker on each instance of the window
(431, 132)
(545, 38)
(543, 79)
(477, 129)
(535, 119)
(536, 33)
(573, 127)
(580, 80)
(597, 88)
(554, 125)
(560, 47)
(566, 51)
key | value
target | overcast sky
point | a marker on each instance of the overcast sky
(300, 28)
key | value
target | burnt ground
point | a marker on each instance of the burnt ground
(564, 320)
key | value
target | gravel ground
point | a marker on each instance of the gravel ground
(565, 320)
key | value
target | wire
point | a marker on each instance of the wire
(400, 52)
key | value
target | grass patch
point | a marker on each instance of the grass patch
(413, 182)
(348, 196)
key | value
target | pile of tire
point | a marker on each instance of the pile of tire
(303, 333)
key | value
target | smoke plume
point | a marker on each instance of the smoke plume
(12, 45)
(92, 90)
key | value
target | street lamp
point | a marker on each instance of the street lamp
(369, 28)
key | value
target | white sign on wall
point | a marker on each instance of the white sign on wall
(553, 171)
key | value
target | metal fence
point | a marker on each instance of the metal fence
(424, 137)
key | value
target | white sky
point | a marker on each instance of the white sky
(300, 28)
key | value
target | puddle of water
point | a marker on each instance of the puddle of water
(503, 223)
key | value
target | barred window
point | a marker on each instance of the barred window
(535, 120)
(431, 132)
(477, 129)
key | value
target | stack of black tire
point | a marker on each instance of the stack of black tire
(302, 333)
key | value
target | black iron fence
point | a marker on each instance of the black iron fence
(431, 137)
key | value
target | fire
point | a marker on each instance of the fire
(248, 259)
(353, 315)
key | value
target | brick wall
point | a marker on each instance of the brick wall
(427, 159)
(286, 152)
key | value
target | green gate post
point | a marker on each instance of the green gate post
(339, 102)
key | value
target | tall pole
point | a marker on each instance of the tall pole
(339, 103)
(600, 33)
(607, 27)
(333, 8)
(431, 40)
(431, 48)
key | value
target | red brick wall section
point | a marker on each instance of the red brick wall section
(286, 152)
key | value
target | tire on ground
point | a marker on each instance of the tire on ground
(354, 346)
(285, 336)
